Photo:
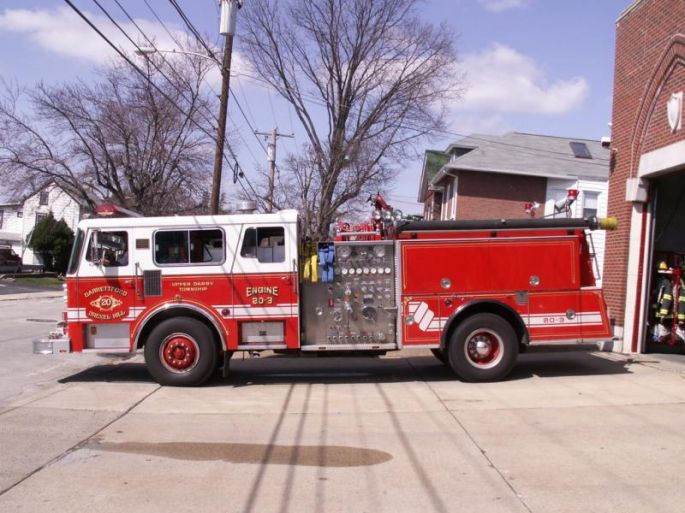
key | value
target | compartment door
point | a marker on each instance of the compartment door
(594, 315)
(421, 321)
(265, 287)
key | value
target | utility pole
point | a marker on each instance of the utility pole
(271, 155)
(229, 12)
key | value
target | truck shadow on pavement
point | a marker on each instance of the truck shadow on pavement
(278, 369)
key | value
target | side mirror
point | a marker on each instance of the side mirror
(94, 249)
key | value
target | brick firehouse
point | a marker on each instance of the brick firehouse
(645, 258)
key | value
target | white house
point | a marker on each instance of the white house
(19, 216)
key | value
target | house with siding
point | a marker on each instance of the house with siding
(486, 176)
(18, 216)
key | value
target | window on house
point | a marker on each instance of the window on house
(580, 150)
(590, 204)
(189, 247)
(2, 216)
(40, 216)
(43, 199)
(20, 213)
(266, 244)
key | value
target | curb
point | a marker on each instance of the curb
(32, 295)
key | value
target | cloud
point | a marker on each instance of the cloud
(63, 32)
(502, 5)
(501, 80)
(480, 124)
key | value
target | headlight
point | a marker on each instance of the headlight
(377, 215)
(387, 215)
(397, 214)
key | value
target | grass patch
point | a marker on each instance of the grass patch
(39, 281)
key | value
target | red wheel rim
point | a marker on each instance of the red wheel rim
(179, 353)
(484, 349)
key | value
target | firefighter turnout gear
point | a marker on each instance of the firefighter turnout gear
(664, 300)
(681, 302)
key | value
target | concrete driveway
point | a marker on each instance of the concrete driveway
(569, 432)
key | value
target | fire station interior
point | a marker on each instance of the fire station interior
(666, 303)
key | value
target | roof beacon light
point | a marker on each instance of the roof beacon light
(564, 204)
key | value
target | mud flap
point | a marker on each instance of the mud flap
(227, 363)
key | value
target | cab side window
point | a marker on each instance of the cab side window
(267, 244)
(111, 250)
(189, 247)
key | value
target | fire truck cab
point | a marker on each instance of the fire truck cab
(190, 291)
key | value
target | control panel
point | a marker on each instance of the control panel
(357, 306)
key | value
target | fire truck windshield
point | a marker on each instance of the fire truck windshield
(75, 252)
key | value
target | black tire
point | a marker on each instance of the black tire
(483, 348)
(440, 355)
(181, 352)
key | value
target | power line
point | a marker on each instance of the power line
(230, 149)
(192, 28)
(240, 108)
(247, 104)
(147, 78)
(201, 40)
(228, 146)
(154, 13)
(127, 36)
(159, 70)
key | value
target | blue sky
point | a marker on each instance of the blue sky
(538, 66)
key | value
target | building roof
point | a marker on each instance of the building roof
(529, 155)
(433, 160)
(8, 199)
(16, 198)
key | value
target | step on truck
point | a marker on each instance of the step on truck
(190, 291)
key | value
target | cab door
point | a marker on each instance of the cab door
(106, 293)
(265, 281)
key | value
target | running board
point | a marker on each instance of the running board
(349, 347)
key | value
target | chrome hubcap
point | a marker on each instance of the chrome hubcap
(483, 349)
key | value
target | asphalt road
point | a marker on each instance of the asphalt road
(8, 287)
(567, 432)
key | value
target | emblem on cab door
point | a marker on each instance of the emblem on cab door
(106, 303)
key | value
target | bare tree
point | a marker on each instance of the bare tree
(144, 142)
(367, 80)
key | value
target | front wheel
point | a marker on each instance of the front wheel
(181, 352)
(483, 348)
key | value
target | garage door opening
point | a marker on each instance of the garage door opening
(666, 301)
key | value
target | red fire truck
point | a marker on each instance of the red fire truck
(191, 291)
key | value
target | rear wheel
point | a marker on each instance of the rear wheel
(483, 348)
(181, 352)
